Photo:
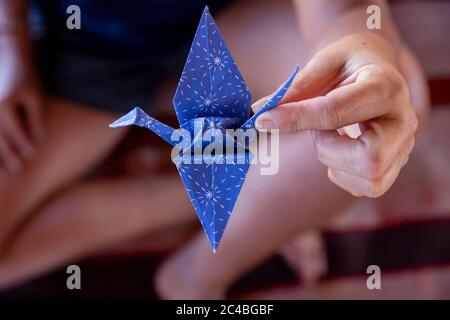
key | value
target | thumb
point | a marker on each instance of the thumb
(318, 77)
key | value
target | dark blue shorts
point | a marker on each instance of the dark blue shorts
(122, 51)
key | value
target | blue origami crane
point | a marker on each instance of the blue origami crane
(211, 94)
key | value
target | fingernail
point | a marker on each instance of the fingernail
(258, 104)
(264, 124)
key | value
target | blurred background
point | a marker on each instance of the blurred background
(406, 232)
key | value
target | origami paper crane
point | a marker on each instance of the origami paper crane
(211, 94)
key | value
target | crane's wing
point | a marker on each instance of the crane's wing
(210, 84)
(213, 190)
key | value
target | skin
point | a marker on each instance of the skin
(51, 213)
(354, 80)
(66, 209)
(19, 91)
(339, 73)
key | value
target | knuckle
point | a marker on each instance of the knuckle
(396, 82)
(290, 122)
(330, 117)
(322, 57)
(388, 83)
(378, 84)
(394, 79)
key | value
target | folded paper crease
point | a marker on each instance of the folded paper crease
(211, 94)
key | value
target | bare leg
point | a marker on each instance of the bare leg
(50, 217)
(76, 140)
(90, 216)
